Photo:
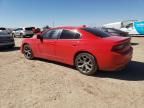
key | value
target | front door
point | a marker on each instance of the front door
(46, 45)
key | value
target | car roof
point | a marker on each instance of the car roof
(68, 27)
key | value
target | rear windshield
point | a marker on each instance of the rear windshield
(97, 32)
(29, 28)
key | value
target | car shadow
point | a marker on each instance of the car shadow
(133, 72)
(134, 44)
(9, 49)
(55, 62)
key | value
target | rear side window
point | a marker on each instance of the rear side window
(97, 32)
(67, 34)
(51, 34)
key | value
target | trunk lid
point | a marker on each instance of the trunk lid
(120, 44)
(117, 39)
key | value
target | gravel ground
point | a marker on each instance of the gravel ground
(44, 84)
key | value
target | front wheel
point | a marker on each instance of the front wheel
(86, 64)
(28, 52)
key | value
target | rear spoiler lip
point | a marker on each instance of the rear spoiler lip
(124, 40)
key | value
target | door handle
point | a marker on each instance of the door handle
(74, 45)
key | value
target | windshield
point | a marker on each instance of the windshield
(97, 32)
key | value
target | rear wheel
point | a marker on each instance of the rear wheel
(28, 52)
(86, 64)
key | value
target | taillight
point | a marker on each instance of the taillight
(121, 48)
(118, 48)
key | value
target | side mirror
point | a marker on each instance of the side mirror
(39, 36)
(77, 36)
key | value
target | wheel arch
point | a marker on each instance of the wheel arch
(22, 48)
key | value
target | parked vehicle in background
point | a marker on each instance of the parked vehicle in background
(23, 32)
(37, 30)
(6, 40)
(46, 28)
(133, 27)
(115, 32)
(2, 29)
(7, 30)
(88, 49)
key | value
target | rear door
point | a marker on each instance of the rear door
(67, 45)
(46, 46)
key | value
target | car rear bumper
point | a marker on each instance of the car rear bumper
(115, 61)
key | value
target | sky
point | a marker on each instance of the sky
(23, 13)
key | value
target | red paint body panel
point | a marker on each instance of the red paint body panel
(64, 51)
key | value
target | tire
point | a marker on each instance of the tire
(86, 64)
(27, 51)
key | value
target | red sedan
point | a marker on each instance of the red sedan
(88, 49)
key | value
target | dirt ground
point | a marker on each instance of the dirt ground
(45, 84)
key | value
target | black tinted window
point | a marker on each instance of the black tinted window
(29, 28)
(67, 34)
(97, 32)
(52, 34)
(19, 29)
(2, 28)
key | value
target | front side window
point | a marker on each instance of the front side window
(67, 34)
(51, 34)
